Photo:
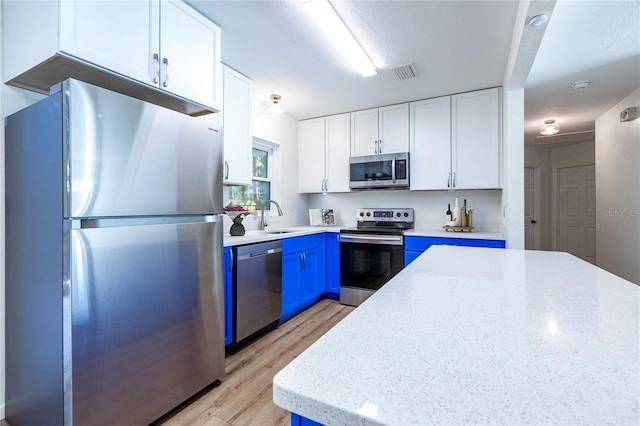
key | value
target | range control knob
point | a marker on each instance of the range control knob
(398, 214)
(406, 214)
(361, 214)
(368, 214)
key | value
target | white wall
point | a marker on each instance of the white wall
(11, 100)
(430, 206)
(617, 191)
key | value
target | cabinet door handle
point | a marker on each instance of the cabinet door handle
(226, 170)
(449, 180)
(156, 61)
(165, 61)
(326, 185)
(375, 147)
(380, 146)
(231, 263)
(454, 179)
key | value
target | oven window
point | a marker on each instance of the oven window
(368, 266)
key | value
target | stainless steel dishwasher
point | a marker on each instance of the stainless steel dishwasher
(257, 290)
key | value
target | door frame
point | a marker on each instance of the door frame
(537, 182)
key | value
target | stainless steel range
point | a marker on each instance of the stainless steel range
(372, 253)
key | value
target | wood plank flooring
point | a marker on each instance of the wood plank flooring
(245, 395)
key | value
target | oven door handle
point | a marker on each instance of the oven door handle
(390, 240)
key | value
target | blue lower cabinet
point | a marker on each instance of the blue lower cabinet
(302, 273)
(297, 420)
(415, 246)
(332, 264)
(228, 296)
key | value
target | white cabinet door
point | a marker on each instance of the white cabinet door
(237, 128)
(364, 132)
(337, 139)
(430, 136)
(190, 54)
(311, 155)
(119, 36)
(393, 133)
(475, 136)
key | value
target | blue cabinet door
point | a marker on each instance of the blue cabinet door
(228, 296)
(291, 295)
(410, 256)
(309, 276)
(332, 263)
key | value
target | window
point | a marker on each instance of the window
(261, 188)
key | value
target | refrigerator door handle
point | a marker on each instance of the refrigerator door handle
(114, 222)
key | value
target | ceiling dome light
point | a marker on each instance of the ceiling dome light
(550, 127)
(581, 84)
(538, 21)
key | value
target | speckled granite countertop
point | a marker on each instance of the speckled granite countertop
(475, 335)
(260, 236)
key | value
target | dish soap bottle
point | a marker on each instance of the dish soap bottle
(463, 214)
(449, 217)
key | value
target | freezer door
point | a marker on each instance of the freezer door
(126, 157)
(143, 319)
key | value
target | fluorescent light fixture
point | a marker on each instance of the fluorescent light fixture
(342, 39)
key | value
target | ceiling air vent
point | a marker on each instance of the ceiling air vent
(587, 136)
(405, 71)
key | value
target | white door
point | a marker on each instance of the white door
(531, 210)
(237, 128)
(311, 155)
(190, 54)
(576, 212)
(393, 132)
(338, 135)
(364, 132)
(121, 36)
(430, 147)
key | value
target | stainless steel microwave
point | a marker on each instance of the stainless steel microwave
(379, 171)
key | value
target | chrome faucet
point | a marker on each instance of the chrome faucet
(263, 223)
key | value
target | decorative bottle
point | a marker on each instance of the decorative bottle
(463, 214)
(449, 214)
(456, 209)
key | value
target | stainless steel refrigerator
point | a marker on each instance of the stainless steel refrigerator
(114, 280)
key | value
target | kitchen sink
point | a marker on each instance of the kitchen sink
(281, 231)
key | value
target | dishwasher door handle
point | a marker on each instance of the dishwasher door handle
(259, 254)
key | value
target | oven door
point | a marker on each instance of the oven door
(367, 262)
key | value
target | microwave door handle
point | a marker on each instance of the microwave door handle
(393, 170)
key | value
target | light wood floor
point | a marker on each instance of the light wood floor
(245, 395)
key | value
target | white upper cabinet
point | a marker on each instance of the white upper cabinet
(380, 130)
(172, 50)
(323, 153)
(337, 139)
(475, 139)
(237, 129)
(430, 136)
(311, 155)
(455, 141)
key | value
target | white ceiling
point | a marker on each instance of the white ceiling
(456, 46)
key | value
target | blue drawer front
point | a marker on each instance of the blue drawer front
(297, 244)
(420, 244)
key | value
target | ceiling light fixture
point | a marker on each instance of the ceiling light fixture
(342, 39)
(538, 21)
(550, 127)
(581, 84)
(272, 106)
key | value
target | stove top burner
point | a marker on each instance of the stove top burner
(382, 221)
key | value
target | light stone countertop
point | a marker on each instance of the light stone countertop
(251, 237)
(474, 335)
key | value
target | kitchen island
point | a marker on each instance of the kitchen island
(473, 335)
